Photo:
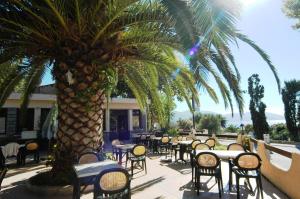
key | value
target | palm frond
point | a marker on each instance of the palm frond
(264, 56)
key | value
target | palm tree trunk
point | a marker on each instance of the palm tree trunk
(80, 113)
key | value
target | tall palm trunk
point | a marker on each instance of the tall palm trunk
(80, 112)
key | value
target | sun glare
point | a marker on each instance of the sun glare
(249, 3)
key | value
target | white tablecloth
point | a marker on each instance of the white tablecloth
(124, 146)
(92, 169)
(223, 154)
(186, 142)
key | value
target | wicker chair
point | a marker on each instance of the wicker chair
(112, 183)
(211, 142)
(202, 146)
(248, 166)
(233, 147)
(189, 137)
(30, 148)
(164, 144)
(179, 138)
(191, 148)
(85, 158)
(208, 164)
(174, 147)
(137, 155)
(88, 157)
(2, 175)
(197, 146)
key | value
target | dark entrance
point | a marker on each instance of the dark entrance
(119, 124)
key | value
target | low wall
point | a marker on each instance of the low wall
(287, 181)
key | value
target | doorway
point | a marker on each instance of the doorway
(119, 124)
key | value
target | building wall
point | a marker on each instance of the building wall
(41, 101)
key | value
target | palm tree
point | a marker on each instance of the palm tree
(90, 45)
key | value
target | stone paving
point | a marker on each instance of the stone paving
(164, 180)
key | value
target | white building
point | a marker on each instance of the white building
(122, 117)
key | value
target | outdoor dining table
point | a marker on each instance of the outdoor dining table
(90, 171)
(182, 148)
(123, 149)
(223, 154)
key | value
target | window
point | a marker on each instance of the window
(2, 121)
(136, 119)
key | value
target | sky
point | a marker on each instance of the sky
(265, 23)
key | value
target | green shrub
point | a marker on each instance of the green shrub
(248, 128)
(279, 132)
(184, 124)
(172, 132)
(210, 122)
(232, 129)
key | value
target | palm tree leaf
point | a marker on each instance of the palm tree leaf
(264, 55)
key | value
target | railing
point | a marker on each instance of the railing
(274, 149)
(287, 181)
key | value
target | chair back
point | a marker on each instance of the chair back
(2, 175)
(174, 140)
(165, 140)
(235, 147)
(139, 150)
(207, 160)
(248, 161)
(189, 138)
(88, 157)
(194, 143)
(32, 146)
(179, 138)
(112, 181)
(211, 142)
(201, 146)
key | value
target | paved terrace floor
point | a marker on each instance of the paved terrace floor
(163, 181)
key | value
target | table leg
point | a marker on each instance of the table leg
(76, 189)
(120, 156)
(182, 149)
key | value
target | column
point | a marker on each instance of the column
(144, 120)
(130, 122)
(107, 120)
(37, 119)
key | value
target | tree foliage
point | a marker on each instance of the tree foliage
(248, 128)
(127, 41)
(292, 9)
(290, 98)
(232, 128)
(257, 107)
(211, 122)
(279, 132)
(184, 124)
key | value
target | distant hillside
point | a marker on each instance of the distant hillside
(186, 115)
(236, 120)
